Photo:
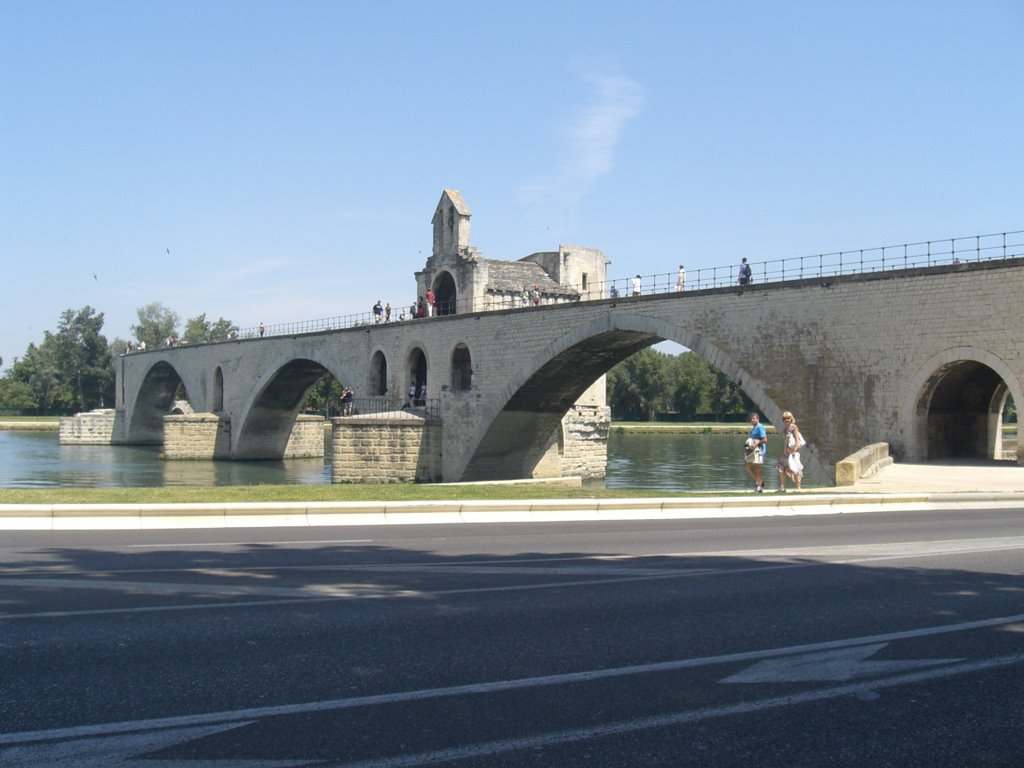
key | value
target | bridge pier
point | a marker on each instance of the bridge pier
(94, 427)
(207, 436)
(397, 447)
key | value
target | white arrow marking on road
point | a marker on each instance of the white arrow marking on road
(125, 748)
(843, 664)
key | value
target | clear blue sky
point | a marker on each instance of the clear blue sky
(289, 155)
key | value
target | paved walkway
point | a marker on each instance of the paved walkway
(943, 477)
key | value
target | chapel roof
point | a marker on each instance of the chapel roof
(456, 200)
(513, 276)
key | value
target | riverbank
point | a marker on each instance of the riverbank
(31, 424)
(687, 428)
(52, 424)
(899, 487)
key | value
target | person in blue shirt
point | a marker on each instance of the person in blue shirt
(755, 449)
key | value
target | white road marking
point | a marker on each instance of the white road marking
(839, 665)
(103, 751)
(255, 713)
(106, 750)
(606, 730)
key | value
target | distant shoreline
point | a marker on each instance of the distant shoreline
(52, 424)
(31, 425)
(683, 428)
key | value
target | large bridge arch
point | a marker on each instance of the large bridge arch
(956, 398)
(268, 418)
(513, 437)
(153, 400)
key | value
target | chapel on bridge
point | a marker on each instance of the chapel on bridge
(463, 280)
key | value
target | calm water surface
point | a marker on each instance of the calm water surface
(669, 462)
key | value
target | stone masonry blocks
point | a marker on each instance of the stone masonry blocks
(848, 355)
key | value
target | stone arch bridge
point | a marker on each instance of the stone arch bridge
(923, 359)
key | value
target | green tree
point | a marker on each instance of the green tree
(70, 370)
(636, 387)
(83, 358)
(650, 381)
(728, 399)
(16, 395)
(117, 346)
(34, 377)
(325, 396)
(693, 379)
(198, 330)
(156, 324)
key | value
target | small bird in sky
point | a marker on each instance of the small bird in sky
(94, 277)
(168, 251)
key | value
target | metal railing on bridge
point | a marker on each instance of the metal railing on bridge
(385, 406)
(975, 248)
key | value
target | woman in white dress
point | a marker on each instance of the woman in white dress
(789, 463)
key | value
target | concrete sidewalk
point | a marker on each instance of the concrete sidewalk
(943, 477)
(900, 486)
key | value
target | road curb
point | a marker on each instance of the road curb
(68, 517)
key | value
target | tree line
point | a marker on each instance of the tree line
(72, 369)
(651, 384)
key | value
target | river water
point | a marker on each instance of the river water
(670, 462)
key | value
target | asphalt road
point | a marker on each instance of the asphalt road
(876, 639)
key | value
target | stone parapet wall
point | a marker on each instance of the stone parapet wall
(391, 448)
(90, 428)
(868, 461)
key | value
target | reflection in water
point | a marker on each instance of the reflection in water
(36, 460)
(670, 462)
(681, 462)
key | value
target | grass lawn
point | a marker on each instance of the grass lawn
(30, 423)
(333, 492)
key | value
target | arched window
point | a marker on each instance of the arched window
(418, 392)
(218, 390)
(378, 375)
(462, 369)
(445, 298)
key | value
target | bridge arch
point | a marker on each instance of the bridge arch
(956, 398)
(154, 400)
(267, 420)
(513, 437)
